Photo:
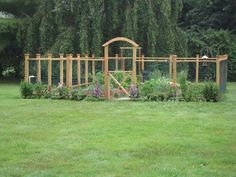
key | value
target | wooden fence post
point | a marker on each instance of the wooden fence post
(174, 69)
(49, 71)
(78, 70)
(197, 68)
(69, 70)
(86, 69)
(93, 67)
(143, 64)
(106, 74)
(38, 68)
(170, 65)
(27, 67)
(218, 71)
(61, 69)
(134, 66)
(117, 66)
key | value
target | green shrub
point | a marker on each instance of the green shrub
(26, 90)
(99, 78)
(40, 90)
(77, 95)
(60, 93)
(148, 87)
(211, 92)
(193, 92)
(182, 80)
(159, 89)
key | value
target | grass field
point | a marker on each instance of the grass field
(47, 138)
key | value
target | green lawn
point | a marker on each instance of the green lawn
(113, 139)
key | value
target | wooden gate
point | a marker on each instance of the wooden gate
(109, 74)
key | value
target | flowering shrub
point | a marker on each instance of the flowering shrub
(134, 92)
(9, 72)
(97, 92)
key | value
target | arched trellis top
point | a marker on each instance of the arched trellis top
(121, 39)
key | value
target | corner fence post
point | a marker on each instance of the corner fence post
(78, 70)
(197, 68)
(174, 69)
(26, 68)
(49, 71)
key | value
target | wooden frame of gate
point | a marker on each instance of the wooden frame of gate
(108, 74)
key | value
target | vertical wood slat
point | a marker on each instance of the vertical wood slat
(218, 70)
(86, 69)
(174, 57)
(170, 66)
(106, 74)
(134, 65)
(117, 66)
(49, 71)
(143, 63)
(197, 68)
(93, 67)
(26, 67)
(70, 70)
(61, 69)
(38, 68)
(78, 70)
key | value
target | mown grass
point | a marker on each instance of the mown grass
(64, 138)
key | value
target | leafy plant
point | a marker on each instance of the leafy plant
(97, 92)
(40, 90)
(134, 92)
(26, 89)
(211, 92)
(77, 95)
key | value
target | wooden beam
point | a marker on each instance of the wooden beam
(170, 65)
(197, 68)
(174, 69)
(38, 68)
(134, 77)
(106, 74)
(93, 67)
(49, 71)
(120, 86)
(143, 63)
(218, 58)
(86, 69)
(117, 66)
(27, 67)
(61, 69)
(70, 71)
(78, 70)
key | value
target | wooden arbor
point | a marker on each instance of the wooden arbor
(108, 73)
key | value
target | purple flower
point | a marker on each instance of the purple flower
(97, 92)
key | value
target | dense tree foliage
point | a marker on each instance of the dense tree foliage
(83, 26)
(211, 24)
(160, 27)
